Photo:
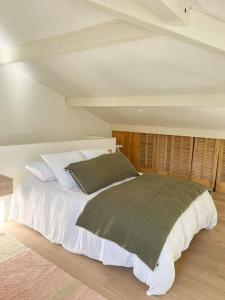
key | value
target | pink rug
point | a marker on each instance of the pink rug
(24, 275)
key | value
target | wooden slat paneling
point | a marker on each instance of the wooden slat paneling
(154, 153)
(122, 138)
(162, 154)
(220, 180)
(147, 152)
(119, 135)
(130, 145)
(204, 163)
(134, 149)
(180, 156)
(199, 159)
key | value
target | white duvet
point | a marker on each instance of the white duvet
(45, 207)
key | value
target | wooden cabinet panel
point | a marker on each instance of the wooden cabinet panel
(220, 180)
(119, 135)
(181, 156)
(163, 144)
(134, 149)
(205, 159)
(130, 145)
(126, 149)
(154, 153)
(122, 138)
(199, 159)
(147, 152)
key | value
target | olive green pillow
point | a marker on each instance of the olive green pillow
(96, 173)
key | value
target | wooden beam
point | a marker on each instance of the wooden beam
(157, 100)
(101, 35)
(203, 30)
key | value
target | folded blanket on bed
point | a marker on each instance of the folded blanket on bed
(139, 214)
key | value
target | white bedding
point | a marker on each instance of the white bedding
(45, 207)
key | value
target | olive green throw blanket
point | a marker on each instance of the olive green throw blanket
(139, 214)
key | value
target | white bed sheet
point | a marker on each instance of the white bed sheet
(52, 211)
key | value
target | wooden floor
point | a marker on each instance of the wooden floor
(200, 273)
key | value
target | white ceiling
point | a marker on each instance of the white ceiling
(212, 118)
(22, 21)
(215, 7)
(159, 65)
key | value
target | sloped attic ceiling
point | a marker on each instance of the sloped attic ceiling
(208, 118)
(150, 63)
(23, 21)
(157, 65)
(215, 8)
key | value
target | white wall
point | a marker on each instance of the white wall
(31, 112)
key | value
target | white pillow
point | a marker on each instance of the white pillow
(40, 170)
(58, 161)
(92, 153)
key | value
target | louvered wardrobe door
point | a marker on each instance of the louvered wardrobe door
(147, 152)
(163, 144)
(205, 159)
(220, 179)
(181, 156)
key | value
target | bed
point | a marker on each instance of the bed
(53, 211)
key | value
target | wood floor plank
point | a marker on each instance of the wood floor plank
(200, 272)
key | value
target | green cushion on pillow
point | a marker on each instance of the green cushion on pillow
(97, 173)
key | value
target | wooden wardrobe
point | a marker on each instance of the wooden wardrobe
(199, 159)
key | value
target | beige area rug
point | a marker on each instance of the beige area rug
(25, 275)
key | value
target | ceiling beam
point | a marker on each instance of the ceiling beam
(202, 30)
(173, 12)
(104, 34)
(145, 101)
(157, 100)
(198, 7)
(194, 132)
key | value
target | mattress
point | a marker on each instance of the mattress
(52, 211)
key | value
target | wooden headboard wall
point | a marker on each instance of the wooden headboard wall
(199, 159)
